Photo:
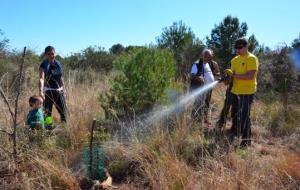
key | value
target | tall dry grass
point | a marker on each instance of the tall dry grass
(177, 157)
(44, 164)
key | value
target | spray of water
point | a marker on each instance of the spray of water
(177, 106)
(140, 126)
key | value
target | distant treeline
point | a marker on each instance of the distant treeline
(181, 42)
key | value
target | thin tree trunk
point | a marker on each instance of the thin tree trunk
(19, 88)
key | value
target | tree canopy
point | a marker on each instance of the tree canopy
(223, 37)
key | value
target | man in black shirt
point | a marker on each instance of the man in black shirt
(52, 87)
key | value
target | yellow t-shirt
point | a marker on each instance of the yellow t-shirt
(240, 65)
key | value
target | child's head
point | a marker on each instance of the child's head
(35, 101)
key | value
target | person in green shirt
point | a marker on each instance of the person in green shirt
(35, 117)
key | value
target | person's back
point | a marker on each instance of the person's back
(35, 117)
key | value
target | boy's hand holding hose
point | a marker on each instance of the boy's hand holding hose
(228, 72)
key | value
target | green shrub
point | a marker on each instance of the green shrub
(95, 58)
(143, 76)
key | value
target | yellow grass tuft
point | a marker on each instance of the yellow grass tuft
(61, 174)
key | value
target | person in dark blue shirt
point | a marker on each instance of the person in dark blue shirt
(51, 82)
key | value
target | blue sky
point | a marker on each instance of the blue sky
(72, 25)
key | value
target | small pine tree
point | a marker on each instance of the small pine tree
(144, 75)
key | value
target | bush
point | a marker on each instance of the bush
(95, 58)
(277, 78)
(142, 77)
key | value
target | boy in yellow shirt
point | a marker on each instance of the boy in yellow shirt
(244, 69)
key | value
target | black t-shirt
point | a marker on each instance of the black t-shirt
(53, 74)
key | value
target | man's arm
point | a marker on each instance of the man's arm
(247, 76)
(64, 87)
(63, 83)
(41, 82)
(252, 68)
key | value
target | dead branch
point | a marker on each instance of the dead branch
(7, 103)
(5, 131)
(2, 77)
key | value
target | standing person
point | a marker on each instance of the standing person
(52, 87)
(227, 105)
(244, 69)
(203, 72)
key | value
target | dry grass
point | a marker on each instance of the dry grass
(59, 173)
(288, 168)
(178, 158)
(35, 171)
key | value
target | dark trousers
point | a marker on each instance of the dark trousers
(241, 124)
(58, 99)
(201, 106)
(226, 107)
